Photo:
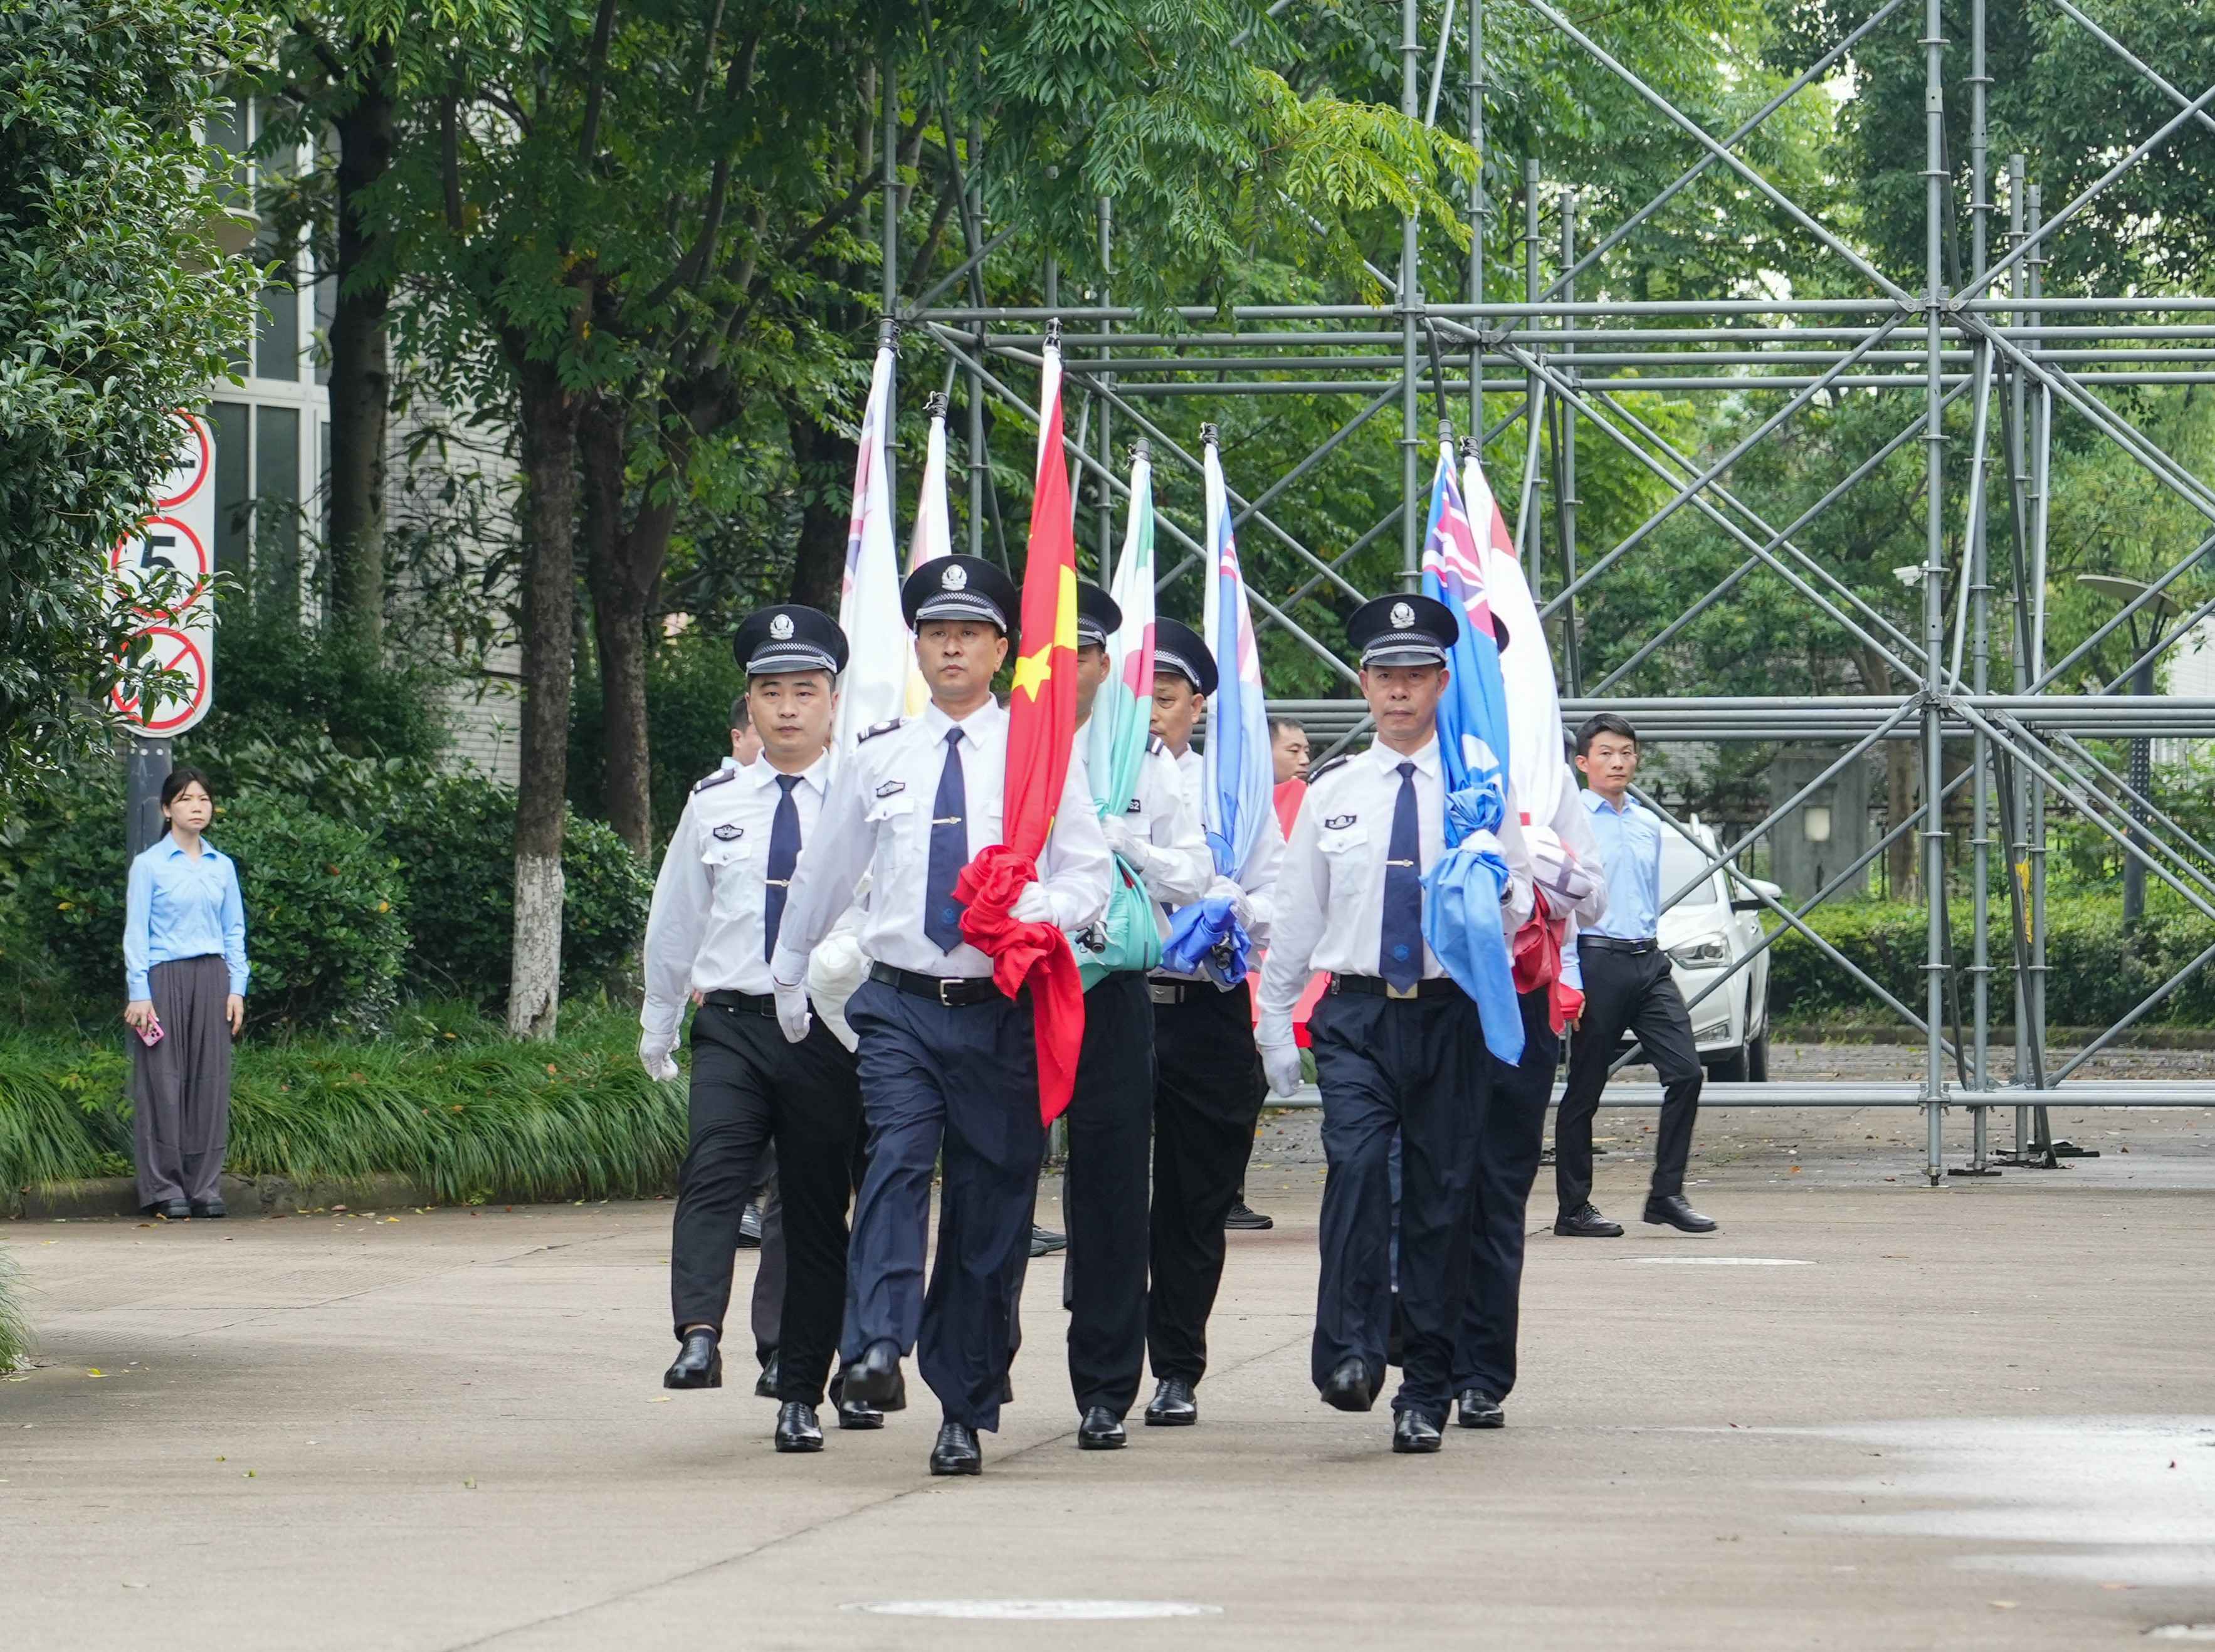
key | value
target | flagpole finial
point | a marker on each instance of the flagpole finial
(888, 333)
(1142, 449)
(935, 404)
(1053, 334)
(1470, 447)
(1210, 436)
(1446, 432)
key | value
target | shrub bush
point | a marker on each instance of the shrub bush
(455, 844)
(282, 680)
(324, 928)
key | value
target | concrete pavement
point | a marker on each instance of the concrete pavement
(1864, 1414)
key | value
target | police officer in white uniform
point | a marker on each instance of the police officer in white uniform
(1398, 1046)
(1208, 1088)
(945, 1058)
(1110, 1113)
(718, 906)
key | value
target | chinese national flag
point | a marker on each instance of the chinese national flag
(1041, 732)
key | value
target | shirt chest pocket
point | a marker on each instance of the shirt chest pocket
(901, 830)
(734, 866)
(1346, 854)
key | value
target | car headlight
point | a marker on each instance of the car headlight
(1710, 1034)
(1706, 953)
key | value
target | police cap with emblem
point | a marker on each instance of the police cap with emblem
(1178, 648)
(1407, 630)
(1097, 615)
(959, 587)
(790, 637)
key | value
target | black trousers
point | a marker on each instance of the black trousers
(1419, 1067)
(1631, 992)
(751, 1088)
(1508, 1145)
(1208, 1089)
(967, 1080)
(1104, 1194)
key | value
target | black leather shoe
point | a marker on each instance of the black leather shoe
(1044, 1240)
(750, 1227)
(1246, 1219)
(1480, 1410)
(876, 1379)
(699, 1362)
(212, 1209)
(1101, 1431)
(1414, 1432)
(1585, 1222)
(170, 1210)
(1671, 1207)
(956, 1451)
(1172, 1405)
(765, 1385)
(797, 1428)
(858, 1414)
(1348, 1387)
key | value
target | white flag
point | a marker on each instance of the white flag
(874, 686)
(933, 538)
(1536, 770)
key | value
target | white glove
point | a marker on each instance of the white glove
(1225, 888)
(791, 1008)
(1116, 829)
(1033, 906)
(1281, 1062)
(1555, 867)
(654, 1050)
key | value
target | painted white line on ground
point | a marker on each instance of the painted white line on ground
(1036, 1611)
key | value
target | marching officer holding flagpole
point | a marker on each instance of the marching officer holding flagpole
(718, 906)
(947, 1061)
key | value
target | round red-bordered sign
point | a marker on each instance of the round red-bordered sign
(176, 652)
(196, 459)
(164, 540)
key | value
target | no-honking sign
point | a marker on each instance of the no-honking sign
(168, 563)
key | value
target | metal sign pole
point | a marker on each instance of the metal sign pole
(145, 766)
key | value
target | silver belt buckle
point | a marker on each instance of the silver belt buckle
(1392, 991)
(1165, 991)
(945, 991)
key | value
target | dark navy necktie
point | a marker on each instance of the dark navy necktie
(949, 851)
(1399, 958)
(783, 851)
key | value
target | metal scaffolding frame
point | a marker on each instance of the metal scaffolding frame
(1572, 364)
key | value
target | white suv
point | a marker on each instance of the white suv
(1710, 928)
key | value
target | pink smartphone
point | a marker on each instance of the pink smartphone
(150, 1036)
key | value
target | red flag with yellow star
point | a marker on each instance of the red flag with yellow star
(1041, 733)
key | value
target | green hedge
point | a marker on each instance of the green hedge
(2096, 974)
(445, 1100)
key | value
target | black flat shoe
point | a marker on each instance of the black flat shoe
(699, 1362)
(1244, 1219)
(1480, 1410)
(1172, 1405)
(1348, 1387)
(169, 1210)
(765, 1385)
(956, 1451)
(876, 1379)
(1413, 1432)
(1044, 1240)
(1101, 1431)
(1670, 1208)
(1585, 1222)
(797, 1428)
(212, 1209)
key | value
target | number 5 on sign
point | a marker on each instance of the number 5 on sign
(167, 562)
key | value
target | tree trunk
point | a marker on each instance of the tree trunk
(824, 460)
(623, 564)
(548, 429)
(361, 375)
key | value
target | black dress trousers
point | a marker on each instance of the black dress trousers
(1508, 1145)
(1627, 992)
(1104, 1192)
(1208, 1090)
(749, 1088)
(965, 1080)
(1419, 1067)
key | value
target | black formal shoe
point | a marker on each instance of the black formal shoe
(1044, 1240)
(1585, 1222)
(1172, 1405)
(1480, 1410)
(1414, 1432)
(172, 1210)
(1245, 1219)
(876, 1379)
(765, 1385)
(1101, 1431)
(956, 1451)
(797, 1428)
(750, 1226)
(857, 1414)
(1348, 1387)
(699, 1362)
(1671, 1207)
(213, 1209)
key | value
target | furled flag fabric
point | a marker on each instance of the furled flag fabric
(1041, 731)
(933, 538)
(1238, 776)
(1461, 890)
(874, 686)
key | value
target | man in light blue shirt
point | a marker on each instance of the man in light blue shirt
(1627, 990)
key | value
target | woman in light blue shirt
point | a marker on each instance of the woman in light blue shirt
(184, 972)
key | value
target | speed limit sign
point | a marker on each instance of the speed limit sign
(167, 565)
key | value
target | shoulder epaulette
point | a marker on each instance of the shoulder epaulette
(1155, 746)
(1324, 768)
(884, 728)
(715, 779)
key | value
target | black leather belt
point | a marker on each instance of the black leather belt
(1616, 944)
(754, 1004)
(954, 991)
(1376, 986)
